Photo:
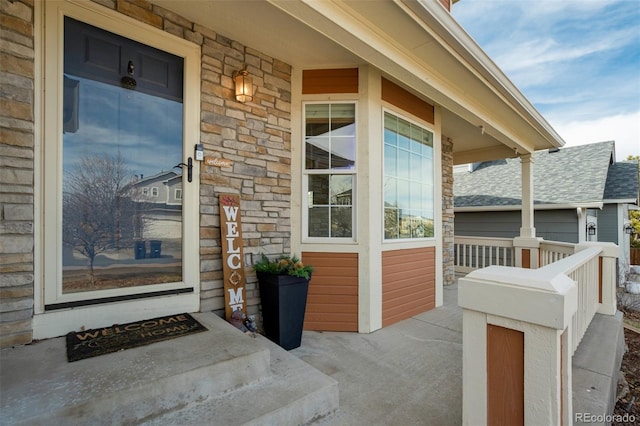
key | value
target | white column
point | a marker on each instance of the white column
(370, 197)
(527, 230)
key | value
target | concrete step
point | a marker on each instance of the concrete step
(296, 394)
(142, 384)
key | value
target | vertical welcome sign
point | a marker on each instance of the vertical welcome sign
(232, 254)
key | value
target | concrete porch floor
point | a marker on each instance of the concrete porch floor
(409, 373)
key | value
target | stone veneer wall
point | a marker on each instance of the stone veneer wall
(447, 213)
(255, 135)
(16, 171)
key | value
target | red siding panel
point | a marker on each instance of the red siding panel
(409, 102)
(446, 4)
(408, 283)
(332, 302)
(505, 376)
(330, 81)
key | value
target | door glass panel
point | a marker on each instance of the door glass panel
(122, 196)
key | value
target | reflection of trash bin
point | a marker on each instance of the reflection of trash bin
(140, 250)
(155, 248)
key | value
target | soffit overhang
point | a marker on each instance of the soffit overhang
(416, 43)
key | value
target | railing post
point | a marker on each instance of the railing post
(607, 271)
(527, 252)
(504, 380)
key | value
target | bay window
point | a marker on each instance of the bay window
(408, 179)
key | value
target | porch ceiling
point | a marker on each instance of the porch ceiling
(416, 43)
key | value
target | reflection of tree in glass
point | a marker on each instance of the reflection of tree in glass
(341, 195)
(98, 206)
(341, 222)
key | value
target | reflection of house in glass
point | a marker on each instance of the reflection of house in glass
(159, 212)
(330, 165)
(344, 198)
(415, 226)
(400, 223)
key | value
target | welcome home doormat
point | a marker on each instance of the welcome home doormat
(100, 341)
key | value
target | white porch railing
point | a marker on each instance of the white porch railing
(552, 251)
(550, 308)
(582, 268)
(471, 253)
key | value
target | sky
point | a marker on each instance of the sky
(145, 129)
(577, 61)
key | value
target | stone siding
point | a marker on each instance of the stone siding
(255, 136)
(447, 213)
(16, 171)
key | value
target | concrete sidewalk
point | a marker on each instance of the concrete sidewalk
(409, 373)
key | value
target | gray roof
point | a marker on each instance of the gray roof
(622, 181)
(571, 175)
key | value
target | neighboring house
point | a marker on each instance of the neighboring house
(160, 200)
(580, 194)
(342, 150)
(156, 189)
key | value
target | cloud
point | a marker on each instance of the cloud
(549, 52)
(576, 61)
(623, 129)
(147, 130)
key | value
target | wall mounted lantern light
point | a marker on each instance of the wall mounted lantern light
(628, 229)
(244, 85)
(591, 228)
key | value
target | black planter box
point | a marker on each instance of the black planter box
(284, 301)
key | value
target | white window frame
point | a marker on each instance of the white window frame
(325, 172)
(431, 128)
(154, 191)
(177, 194)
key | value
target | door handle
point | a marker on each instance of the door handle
(189, 165)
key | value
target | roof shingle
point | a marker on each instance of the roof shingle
(571, 175)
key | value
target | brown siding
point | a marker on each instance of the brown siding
(399, 97)
(505, 376)
(332, 303)
(599, 279)
(446, 4)
(344, 80)
(526, 258)
(408, 283)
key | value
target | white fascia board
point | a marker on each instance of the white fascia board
(336, 21)
(460, 42)
(620, 201)
(518, 207)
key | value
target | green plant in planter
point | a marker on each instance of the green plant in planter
(283, 265)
